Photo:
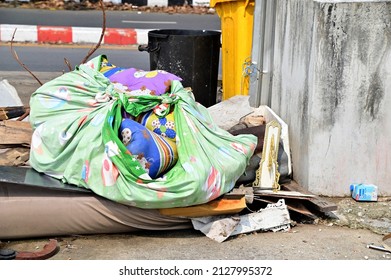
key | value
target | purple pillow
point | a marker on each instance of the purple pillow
(155, 82)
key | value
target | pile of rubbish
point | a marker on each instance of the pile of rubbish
(139, 143)
(135, 137)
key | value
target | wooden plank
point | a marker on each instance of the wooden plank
(17, 124)
(14, 157)
(221, 206)
(15, 133)
(317, 202)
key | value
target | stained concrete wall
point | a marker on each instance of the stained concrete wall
(332, 86)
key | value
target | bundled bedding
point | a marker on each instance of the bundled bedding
(132, 136)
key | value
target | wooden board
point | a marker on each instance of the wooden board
(221, 206)
(318, 203)
(14, 157)
(15, 133)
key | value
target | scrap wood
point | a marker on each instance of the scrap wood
(215, 207)
(15, 133)
(383, 247)
(318, 203)
(14, 157)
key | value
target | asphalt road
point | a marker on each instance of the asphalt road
(115, 19)
(50, 58)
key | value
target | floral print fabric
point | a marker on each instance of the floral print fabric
(76, 120)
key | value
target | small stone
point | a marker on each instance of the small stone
(366, 257)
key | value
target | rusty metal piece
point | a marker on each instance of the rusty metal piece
(48, 251)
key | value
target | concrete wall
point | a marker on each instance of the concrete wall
(332, 86)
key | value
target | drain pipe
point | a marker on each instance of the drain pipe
(260, 70)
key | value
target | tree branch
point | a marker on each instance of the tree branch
(92, 50)
(18, 60)
(68, 64)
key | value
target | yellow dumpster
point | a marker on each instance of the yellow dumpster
(236, 32)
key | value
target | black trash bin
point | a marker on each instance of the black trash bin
(192, 55)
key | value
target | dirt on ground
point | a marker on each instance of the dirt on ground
(375, 217)
(344, 234)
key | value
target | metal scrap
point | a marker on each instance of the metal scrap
(275, 217)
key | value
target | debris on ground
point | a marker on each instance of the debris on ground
(15, 134)
(274, 217)
(49, 250)
(299, 202)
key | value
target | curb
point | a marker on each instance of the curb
(75, 35)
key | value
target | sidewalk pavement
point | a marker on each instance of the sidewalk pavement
(72, 35)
